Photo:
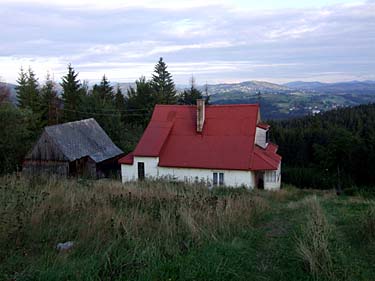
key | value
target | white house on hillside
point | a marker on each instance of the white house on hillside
(218, 144)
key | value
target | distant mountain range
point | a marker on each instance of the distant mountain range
(281, 100)
(295, 98)
(248, 87)
(336, 88)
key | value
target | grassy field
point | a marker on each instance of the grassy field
(161, 231)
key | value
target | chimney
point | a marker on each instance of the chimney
(200, 115)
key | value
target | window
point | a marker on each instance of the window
(267, 136)
(218, 178)
(221, 178)
(271, 176)
(141, 171)
(215, 179)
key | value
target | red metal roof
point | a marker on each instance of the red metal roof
(265, 159)
(226, 142)
(263, 126)
(127, 159)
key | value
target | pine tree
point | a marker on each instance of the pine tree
(49, 103)
(163, 84)
(71, 95)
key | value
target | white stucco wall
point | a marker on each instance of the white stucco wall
(272, 185)
(231, 178)
(130, 172)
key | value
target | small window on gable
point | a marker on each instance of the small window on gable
(221, 178)
(215, 179)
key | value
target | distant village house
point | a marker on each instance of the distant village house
(220, 145)
(80, 148)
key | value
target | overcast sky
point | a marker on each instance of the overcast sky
(214, 40)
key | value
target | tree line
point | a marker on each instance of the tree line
(123, 116)
(335, 149)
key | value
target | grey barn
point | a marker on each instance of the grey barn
(79, 148)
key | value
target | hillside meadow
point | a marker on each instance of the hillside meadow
(171, 231)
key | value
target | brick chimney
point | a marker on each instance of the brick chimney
(200, 115)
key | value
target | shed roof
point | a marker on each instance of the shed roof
(83, 138)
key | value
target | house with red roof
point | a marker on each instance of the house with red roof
(220, 145)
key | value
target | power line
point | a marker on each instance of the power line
(96, 113)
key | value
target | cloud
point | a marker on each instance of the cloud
(214, 40)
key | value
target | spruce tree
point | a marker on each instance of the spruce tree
(21, 89)
(119, 99)
(28, 95)
(49, 103)
(103, 93)
(71, 95)
(206, 95)
(140, 102)
(4, 92)
(163, 85)
(190, 96)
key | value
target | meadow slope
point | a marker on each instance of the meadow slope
(170, 231)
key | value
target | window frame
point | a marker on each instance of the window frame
(221, 179)
(215, 179)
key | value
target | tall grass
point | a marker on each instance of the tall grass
(368, 224)
(143, 219)
(313, 242)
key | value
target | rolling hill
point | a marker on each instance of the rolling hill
(293, 99)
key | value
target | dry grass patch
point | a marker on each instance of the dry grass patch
(313, 243)
(166, 215)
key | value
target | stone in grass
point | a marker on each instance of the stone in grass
(64, 246)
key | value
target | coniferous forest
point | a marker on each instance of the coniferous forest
(335, 149)
(123, 116)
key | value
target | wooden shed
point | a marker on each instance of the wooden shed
(80, 148)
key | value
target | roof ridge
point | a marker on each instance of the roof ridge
(210, 105)
(71, 122)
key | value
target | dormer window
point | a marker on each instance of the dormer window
(262, 135)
